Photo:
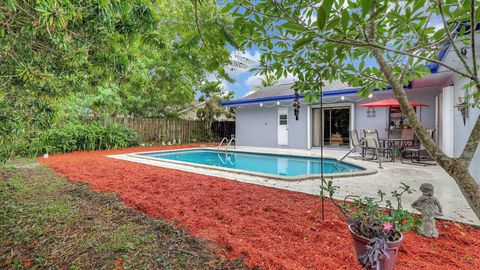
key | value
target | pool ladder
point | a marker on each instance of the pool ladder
(225, 139)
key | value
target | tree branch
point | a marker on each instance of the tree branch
(359, 43)
(472, 144)
(197, 25)
(473, 26)
(410, 58)
(452, 40)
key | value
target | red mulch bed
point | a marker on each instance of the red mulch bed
(270, 228)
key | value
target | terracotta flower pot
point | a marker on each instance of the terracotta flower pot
(360, 243)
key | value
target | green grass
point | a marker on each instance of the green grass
(47, 222)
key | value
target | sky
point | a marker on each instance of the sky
(246, 80)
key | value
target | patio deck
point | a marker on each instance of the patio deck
(455, 207)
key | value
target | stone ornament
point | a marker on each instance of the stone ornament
(429, 207)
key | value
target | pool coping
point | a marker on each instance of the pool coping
(365, 171)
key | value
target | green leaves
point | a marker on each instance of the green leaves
(321, 18)
(64, 61)
(323, 13)
(302, 42)
(366, 6)
(12, 5)
(345, 19)
(293, 27)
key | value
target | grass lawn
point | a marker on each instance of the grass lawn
(47, 222)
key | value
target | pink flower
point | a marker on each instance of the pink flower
(387, 226)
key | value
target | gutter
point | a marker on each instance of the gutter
(291, 97)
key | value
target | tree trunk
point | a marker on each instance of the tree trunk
(472, 143)
(457, 168)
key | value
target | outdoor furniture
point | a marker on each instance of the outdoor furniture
(396, 145)
(417, 150)
(336, 139)
(372, 142)
(356, 141)
(409, 136)
(390, 104)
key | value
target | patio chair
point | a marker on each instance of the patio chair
(356, 141)
(409, 136)
(373, 143)
(417, 150)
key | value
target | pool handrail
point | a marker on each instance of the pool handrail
(220, 145)
(230, 142)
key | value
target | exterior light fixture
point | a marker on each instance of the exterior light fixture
(370, 96)
(342, 98)
(371, 112)
(462, 106)
(261, 104)
(278, 103)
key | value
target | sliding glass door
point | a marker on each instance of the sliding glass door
(334, 131)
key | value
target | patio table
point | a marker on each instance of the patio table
(396, 143)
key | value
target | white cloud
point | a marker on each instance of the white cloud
(436, 22)
(213, 77)
(224, 85)
(253, 80)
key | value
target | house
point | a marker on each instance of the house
(266, 118)
(190, 113)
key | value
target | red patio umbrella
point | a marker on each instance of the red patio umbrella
(391, 103)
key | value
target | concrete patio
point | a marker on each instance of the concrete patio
(387, 179)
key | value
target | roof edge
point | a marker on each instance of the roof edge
(286, 97)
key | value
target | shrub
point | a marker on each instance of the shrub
(73, 137)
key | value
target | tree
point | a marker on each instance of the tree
(212, 95)
(62, 60)
(373, 44)
(268, 80)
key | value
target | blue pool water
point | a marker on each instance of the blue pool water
(282, 165)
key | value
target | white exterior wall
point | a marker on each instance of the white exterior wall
(425, 114)
(461, 131)
(257, 126)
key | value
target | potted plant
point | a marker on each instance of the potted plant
(376, 230)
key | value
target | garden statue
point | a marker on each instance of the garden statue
(430, 208)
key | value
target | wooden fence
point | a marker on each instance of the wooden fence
(151, 130)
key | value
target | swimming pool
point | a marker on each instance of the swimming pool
(256, 163)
